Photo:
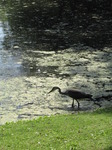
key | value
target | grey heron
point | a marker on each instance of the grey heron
(75, 94)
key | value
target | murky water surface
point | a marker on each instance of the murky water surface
(29, 69)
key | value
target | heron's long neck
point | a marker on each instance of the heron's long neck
(60, 91)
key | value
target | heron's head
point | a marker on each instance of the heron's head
(53, 89)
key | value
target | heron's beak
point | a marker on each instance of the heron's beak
(49, 91)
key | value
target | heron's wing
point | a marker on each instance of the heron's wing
(75, 93)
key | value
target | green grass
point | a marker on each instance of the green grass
(82, 131)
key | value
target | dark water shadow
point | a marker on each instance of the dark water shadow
(38, 26)
(70, 109)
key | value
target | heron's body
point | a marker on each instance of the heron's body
(74, 93)
(77, 94)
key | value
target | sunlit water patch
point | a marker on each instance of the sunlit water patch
(27, 95)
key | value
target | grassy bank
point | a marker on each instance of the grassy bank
(81, 131)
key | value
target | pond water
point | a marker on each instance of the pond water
(33, 60)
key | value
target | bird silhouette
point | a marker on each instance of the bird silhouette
(75, 94)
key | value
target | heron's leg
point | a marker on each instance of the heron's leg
(78, 103)
(73, 104)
